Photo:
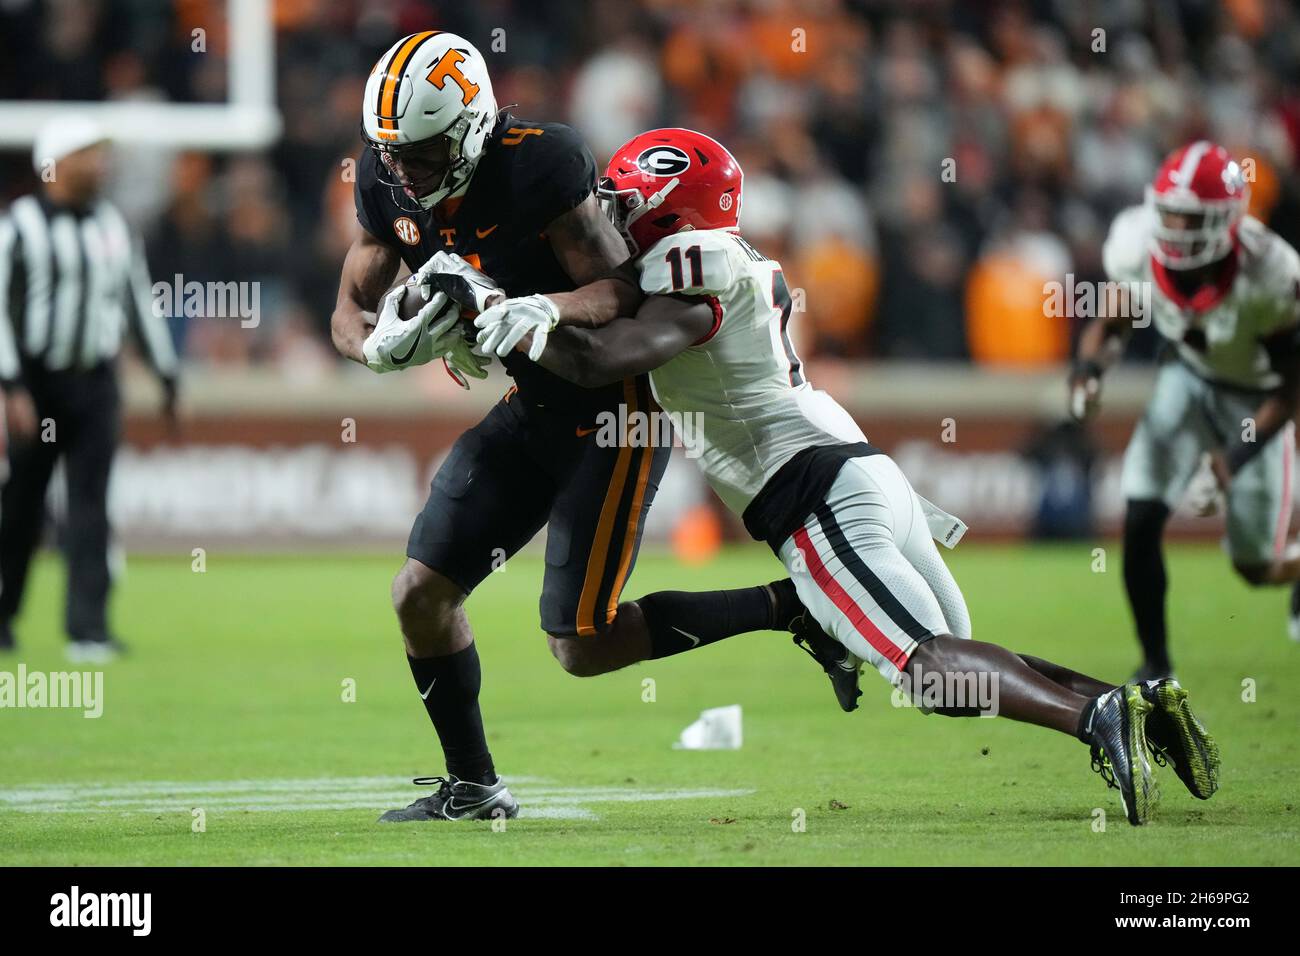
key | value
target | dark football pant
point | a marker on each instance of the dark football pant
(84, 409)
(524, 467)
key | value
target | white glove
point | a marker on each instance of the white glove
(396, 344)
(1085, 396)
(449, 273)
(1203, 492)
(504, 326)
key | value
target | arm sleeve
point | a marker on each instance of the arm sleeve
(149, 327)
(363, 196)
(688, 263)
(1282, 347)
(11, 265)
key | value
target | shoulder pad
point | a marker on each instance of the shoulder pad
(695, 262)
(1127, 246)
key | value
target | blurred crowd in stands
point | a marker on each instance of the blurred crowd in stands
(921, 168)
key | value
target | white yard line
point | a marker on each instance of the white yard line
(38, 791)
(540, 798)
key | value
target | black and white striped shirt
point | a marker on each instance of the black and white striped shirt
(70, 282)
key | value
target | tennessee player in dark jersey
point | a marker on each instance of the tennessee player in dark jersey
(445, 172)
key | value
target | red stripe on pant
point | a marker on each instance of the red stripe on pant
(850, 609)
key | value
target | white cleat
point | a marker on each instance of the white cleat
(91, 652)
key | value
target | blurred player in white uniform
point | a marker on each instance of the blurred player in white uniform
(1224, 292)
(840, 515)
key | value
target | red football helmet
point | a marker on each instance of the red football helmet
(1199, 196)
(666, 180)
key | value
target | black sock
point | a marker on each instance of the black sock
(684, 620)
(1085, 719)
(786, 606)
(449, 686)
(1144, 577)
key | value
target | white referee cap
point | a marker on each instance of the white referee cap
(63, 136)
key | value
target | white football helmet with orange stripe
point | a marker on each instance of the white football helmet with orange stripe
(428, 111)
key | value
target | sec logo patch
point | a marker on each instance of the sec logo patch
(663, 161)
(407, 231)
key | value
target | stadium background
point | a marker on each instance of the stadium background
(923, 312)
(921, 169)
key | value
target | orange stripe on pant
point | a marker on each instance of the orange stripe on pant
(633, 524)
(599, 556)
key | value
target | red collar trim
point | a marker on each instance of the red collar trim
(1207, 296)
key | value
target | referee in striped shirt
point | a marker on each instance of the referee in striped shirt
(72, 278)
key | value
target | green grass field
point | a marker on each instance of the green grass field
(232, 702)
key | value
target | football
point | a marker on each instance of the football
(415, 299)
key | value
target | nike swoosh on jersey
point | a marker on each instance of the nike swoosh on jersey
(584, 432)
(695, 641)
(484, 233)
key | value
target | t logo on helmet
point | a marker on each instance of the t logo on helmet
(449, 66)
(663, 161)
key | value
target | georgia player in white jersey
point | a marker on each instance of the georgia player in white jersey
(1223, 290)
(840, 515)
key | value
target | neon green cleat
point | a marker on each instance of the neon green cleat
(1177, 736)
(1120, 752)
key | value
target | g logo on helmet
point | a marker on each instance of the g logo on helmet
(663, 161)
(1233, 179)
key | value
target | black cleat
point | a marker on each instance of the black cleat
(1120, 753)
(457, 800)
(1176, 736)
(840, 665)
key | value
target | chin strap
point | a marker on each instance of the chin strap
(654, 202)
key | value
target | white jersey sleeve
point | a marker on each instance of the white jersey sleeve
(1124, 254)
(695, 262)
